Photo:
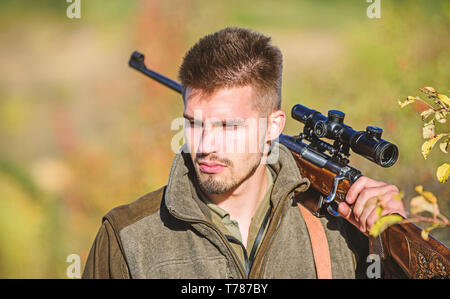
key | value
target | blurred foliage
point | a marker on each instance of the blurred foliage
(82, 133)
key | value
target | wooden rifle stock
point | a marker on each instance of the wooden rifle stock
(401, 243)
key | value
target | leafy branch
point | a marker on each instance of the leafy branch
(438, 109)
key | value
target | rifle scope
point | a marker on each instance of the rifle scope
(365, 143)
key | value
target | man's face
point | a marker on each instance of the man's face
(224, 134)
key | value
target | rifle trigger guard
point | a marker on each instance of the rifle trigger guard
(331, 197)
(333, 212)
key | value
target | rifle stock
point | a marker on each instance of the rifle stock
(402, 243)
(417, 257)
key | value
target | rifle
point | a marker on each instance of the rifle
(400, 246)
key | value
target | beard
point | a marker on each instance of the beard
(213, 185)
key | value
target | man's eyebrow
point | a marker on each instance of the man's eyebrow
(227, 121)
(234, 121)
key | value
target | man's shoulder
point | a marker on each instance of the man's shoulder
(125, 215)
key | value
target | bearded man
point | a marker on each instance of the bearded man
(229, 209)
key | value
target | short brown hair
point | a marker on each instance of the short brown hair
(235, 57)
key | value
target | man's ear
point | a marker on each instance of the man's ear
(275, 124)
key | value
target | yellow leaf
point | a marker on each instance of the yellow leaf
(419, 204)
(444, 145)
(428, 90)
(443, 172)
(426, 231)
(399, 196)
(408, 101)
(426, 194)
(441, 117)
(444, 99)
(424, 234)
(428, 145)
(428, 131)
(378, 211)
(426, 113)
(384, 222)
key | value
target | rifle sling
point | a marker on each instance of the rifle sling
(319, 244)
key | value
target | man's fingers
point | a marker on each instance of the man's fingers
(368, 210)
(394, 207)
(391, 210)
(369, 193)
(371, 220)
(345, 211)
(359, 207)
(360, 184)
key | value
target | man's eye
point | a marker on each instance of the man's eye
(230, 127)
(195, 124)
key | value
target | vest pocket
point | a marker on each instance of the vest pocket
(191, 268)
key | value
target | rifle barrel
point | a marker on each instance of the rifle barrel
(137, 62)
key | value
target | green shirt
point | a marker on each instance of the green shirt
(221, 218)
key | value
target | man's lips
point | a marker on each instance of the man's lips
(211, 167)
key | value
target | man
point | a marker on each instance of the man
(229, 209)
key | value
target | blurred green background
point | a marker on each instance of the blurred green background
(81, 132)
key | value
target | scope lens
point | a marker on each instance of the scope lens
(388, 155)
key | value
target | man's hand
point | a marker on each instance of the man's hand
(359, 206)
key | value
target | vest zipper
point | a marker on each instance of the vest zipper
(280, 205)
(247, 262)
(264, 257)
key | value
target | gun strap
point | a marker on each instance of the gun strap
(319, 244)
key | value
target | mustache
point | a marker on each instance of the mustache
(213, 158)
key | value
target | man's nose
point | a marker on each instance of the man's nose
(210, 140)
